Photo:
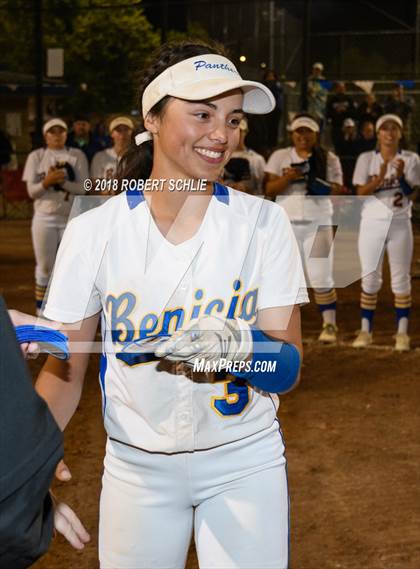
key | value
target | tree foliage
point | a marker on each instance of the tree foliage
(105, 45)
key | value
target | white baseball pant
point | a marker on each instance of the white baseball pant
(47, 231)
(234, 496)
(399, 247)
(315, 241)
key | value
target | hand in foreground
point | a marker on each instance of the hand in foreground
(30, 350)
(62, 472)
(68, 524)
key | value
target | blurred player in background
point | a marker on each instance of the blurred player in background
(245, 169)
(105, 163)
(301, 177)
(53, 175)
(389, 175)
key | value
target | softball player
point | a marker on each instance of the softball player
(53, 175)
(301, 177)
(105, 163)
(186, 283)
(388, 176)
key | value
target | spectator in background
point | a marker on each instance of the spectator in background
(245, 169)
(369, 110)
(398, 104)
(367, 137)
(82, 138)
(317, 93)
(340, 106)
(101, 135)
(272, 120)
(346, 149)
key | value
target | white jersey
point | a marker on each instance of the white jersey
(114, 259)
(36, 168)
(254, 184)
(104, 164)
(390, 193)
(298, 205)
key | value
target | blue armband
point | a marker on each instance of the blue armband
(275, 365)
(405, 186)
(50, 341)
(319, 188)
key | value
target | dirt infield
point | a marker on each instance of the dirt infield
(351, 428)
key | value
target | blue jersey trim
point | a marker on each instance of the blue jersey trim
(221, 192)
(134, 198)
(102, 373)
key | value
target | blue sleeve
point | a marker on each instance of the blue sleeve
(275, 365)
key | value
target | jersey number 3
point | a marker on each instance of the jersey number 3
(234, 401)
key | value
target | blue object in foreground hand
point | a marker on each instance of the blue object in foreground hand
(49, 341)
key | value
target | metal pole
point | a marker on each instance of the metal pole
(306, 30)
(271, 22)
(39, 72)
(417, 41)
(164, 31)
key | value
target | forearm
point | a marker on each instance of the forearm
(369, 188)
(35, 190)
(76, 188)
(62, 397)
(277, 186)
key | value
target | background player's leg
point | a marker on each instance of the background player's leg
(242, 517)
(371, 254)
(146, 515)
(400, 252)
(319, 255)
(45, 239)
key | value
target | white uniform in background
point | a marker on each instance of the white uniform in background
(307, 213)
(253, 184)
(399, 241)
(104, 164)
(51, 206)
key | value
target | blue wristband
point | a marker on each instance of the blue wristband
(283, 357)
(49, 341)
(405, 186)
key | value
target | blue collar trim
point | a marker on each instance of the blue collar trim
(221, 192)
(135, 197)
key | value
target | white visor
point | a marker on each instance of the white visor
(305, 122)
(388, 117)
(125, 121)
(202, 77)
(53, 122)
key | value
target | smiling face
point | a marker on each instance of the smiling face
(55, 138)
(195, 139)
(389, 135)
(304, 139)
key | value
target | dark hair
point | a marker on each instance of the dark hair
(319, 154)
(137, 161)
